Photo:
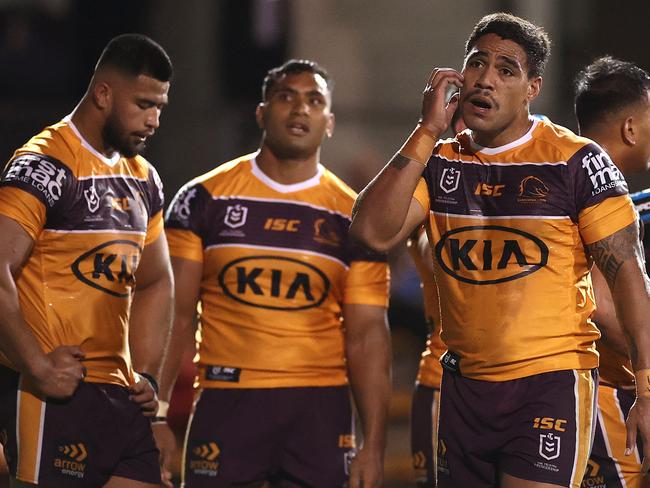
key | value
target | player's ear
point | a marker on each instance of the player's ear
(259, 114)
(102, 95)
(628, 131)
(534, 87)
(329, 128)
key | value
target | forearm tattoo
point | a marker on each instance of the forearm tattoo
(610, 253)
(399, 162)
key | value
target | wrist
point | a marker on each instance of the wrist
(39, 368)
(642, 377)
(163, 408)
(419, 145)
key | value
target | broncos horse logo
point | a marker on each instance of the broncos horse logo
(531, 186)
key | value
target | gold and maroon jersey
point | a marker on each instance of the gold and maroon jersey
(615, 369)
(430, 370)
(508, 229)
(89, 217)
(277, 267)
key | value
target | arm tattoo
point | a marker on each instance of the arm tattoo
(399, 161)
(610, 253)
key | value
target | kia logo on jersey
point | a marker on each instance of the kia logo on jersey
(274, 283)
(109, 267)
(488, 254)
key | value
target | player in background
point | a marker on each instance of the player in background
(293, 313)
(612, 105)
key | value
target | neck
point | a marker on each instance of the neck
(89, 123)
(504, 135)
(287, 171)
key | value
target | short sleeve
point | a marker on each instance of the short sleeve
(602, 202)
(33, 187)
(421, 194)
(367, 283)
(183, 223)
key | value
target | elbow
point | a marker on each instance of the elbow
(366, 238)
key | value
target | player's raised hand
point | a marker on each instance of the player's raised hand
(61, 372)
(437, 110)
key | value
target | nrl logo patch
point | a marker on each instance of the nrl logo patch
(92, 199)
(235, 216)
(549, 446)
(450, 180)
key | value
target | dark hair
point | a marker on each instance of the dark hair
(136, 54)
(533, 39)
(293, 67)
(606, 86)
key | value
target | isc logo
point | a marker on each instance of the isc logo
(486, 254)
(274, 282)
(489, 190)
(282, 225)
(549, 423)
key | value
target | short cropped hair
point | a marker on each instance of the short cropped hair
(606, 86)
(137, 54)
(533, 39)
(293, 67)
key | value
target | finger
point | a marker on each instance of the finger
(144, 397)
(139, 387)
(645, 466)
(630, 439)
(445, 77)
(75, 351)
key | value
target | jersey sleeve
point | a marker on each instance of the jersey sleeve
(33, 188)
(602, 202)
(183, 222)
(156, 197)
(421, 194)
(368, 279)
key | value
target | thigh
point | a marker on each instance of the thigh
(466, 447)
(78, 442)
(232, 438)
(423, 426)
(608, 464)
(321, 440)
(551, 434)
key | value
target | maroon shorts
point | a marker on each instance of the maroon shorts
(424, 423)
(80, 442)
(293, 437)
(537, 428)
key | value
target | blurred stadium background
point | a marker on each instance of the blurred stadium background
(380, 53)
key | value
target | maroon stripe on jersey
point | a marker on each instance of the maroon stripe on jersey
(264, 223)
(106, 203)
(523, 189)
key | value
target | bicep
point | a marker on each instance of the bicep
(361, 319)
(154, 263)
(15, 245)
(414, 217)
(618, 254)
